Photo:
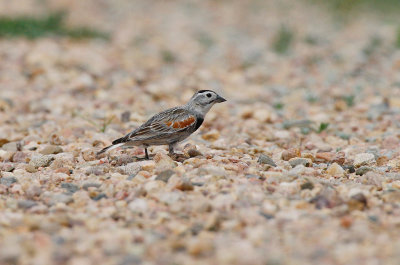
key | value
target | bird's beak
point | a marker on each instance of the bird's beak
(220, 99)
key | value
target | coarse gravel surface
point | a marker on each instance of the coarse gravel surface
(300, 165)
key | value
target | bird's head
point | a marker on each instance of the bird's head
(203, 100)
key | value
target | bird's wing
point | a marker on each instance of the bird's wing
(166, 122)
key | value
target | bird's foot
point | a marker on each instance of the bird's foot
(178, 157)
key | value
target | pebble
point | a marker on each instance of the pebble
(163, 162)
(88, 185)
(391, 196)
(26, 204)
(20, 157)
(60, 198)
(30, 168)
(211, 135)
(138, 205)
(41, 160)
(12, 146)
(33, 191)
(324, 156)
(130, 169)
(6, 155)
(99, 197)
(69, 187)
(300, 161)
(290, 154)
(357, 202)
(335, 170)
(307, 186)
(165, 175)
(51, 149)
(264, 159)
(362, 170)
(8, 181)
(89, 155)
(363, 159)
(390, 142)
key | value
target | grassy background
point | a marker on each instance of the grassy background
(46, 26)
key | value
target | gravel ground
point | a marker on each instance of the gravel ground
(300, 166)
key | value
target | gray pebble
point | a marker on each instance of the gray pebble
(99, 197)
(88, 185)
(26, 204)
(362, 170)
(165, 175)
(264, 159)
(70, 187)
(8, 181)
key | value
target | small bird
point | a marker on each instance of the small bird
(172, 125)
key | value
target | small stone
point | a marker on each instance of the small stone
(163, 162)
(89, 155)
(165, 175)
(99, 197)
(7, 168)
(382, 161)
(69, 187)
(307, 186)
(184, 185)
(264, 159)
(300, 161)
(12, 146)
(6, 155)
(30, 168)
(20, 157)
(126, 116)
(324, 156)
(41, 160)
(33, 191)
(191, 151)
(26, 204)
(308, 155)
(211, 136)
(63, 170)
(357, 202)
(138, 205)
(362, 170)
(8, 181)
(88, 185)
(391, 197)
(335, 170)
(349, 168)
(339, 158)
(130, 168)
(346, 221)
(60, 198)
(290, 154)
(51, 149)
(390, 142)
(363, 159)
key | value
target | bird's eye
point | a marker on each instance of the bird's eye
(209, 95)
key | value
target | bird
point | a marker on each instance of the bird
(170, 126)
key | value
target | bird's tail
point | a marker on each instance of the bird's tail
(113, 146)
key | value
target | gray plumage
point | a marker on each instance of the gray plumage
(172, 125)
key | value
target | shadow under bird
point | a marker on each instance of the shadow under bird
(172, 125)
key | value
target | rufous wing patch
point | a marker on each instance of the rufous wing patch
(181, 124)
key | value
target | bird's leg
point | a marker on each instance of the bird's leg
(146, 153)
(171, 149)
